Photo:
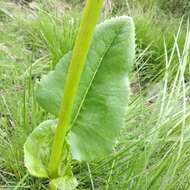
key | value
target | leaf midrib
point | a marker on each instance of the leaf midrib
(90, 84)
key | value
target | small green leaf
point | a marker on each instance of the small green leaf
(37, 148)
(101, 104)
(64, 183)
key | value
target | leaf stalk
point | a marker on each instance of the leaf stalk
(84, 38)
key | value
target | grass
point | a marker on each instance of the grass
(52, 34)
(153, 29)
(153, 150)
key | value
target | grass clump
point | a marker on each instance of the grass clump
(176, 7)
(53, 35)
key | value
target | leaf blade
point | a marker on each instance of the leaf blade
(37, 149)
(101, 103)
(64, 183)
(105, 101)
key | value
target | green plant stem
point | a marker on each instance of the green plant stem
(89, 20)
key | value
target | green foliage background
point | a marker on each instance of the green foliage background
(154, 147)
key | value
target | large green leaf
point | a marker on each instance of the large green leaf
(101, 103)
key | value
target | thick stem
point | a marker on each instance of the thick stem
(89, 20)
